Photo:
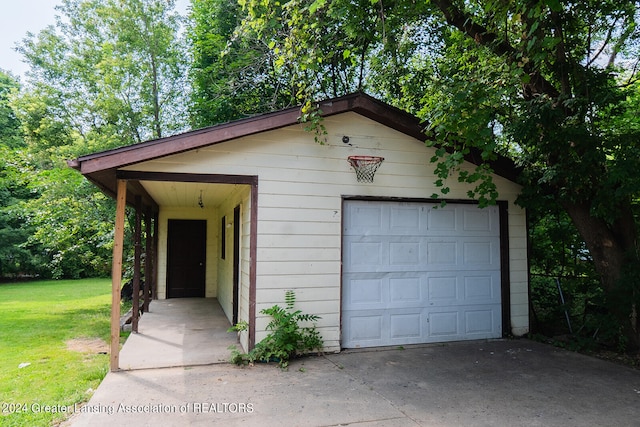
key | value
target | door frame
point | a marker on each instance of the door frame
(236, 262)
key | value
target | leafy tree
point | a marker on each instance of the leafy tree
(14, 258)
(542, 58)
(231, 77)
(551, 83)
(72, 223)
(10, 134)
(110, 73)
(249, 56)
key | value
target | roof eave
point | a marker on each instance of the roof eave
(95, 165)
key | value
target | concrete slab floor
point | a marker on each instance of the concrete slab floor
(479, 383)
(179, 332)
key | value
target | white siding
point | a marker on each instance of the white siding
(300, 190)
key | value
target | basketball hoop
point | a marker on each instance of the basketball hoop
(365, 166)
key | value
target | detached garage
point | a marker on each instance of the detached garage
(268, 209)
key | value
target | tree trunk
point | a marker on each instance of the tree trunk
(612, 247)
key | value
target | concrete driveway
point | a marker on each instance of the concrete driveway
(495, 383)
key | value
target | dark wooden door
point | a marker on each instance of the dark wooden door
(186, 255)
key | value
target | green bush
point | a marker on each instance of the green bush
(287, 338)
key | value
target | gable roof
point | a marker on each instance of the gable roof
(101, 167)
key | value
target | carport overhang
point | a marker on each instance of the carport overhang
(130, 189)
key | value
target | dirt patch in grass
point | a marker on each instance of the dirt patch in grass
(88, 345)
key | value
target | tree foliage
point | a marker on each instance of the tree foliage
(14, 257)
(552, 84)
(232, 77)
(109, 73)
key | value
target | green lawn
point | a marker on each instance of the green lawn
(36, 321)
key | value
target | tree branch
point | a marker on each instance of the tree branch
(464, 22)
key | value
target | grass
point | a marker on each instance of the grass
(36, 321)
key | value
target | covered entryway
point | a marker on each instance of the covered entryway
(419, 272)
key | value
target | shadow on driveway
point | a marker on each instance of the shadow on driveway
(478, 383)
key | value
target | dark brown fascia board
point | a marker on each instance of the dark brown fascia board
(107, 181)
(154, 149)
(377, 111)
(359, 103)
(138, 176)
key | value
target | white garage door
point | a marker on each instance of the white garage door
(418, 273)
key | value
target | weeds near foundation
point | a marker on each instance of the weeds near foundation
(287, 337)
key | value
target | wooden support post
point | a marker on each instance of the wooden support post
(137, 254)
(116, 274)
(148, 259)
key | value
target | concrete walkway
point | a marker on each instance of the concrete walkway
(478, 383)
(179, 332)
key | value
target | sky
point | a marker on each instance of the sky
(17, 17)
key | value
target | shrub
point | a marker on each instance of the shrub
(286, 339)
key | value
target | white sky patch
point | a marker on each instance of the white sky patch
(18, 17)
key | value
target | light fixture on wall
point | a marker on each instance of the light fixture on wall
(200, 202)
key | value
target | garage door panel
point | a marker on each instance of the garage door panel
(442, 220)
(379, 292)
(441, 254)
(365, 329)
(477, 220)
(384, 254)
(462, 253)
(364, 218)
(442, 290)
(418, 273)
(479, 253)
(482, 289)
(405, 290)
(366, 255)
(405, 325)
(443, 324)
(461, 288)
(362, 294)
(463, 323)
(405, 219)
(479, 321)
(404, 253)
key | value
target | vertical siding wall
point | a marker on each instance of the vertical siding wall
(301, 185)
